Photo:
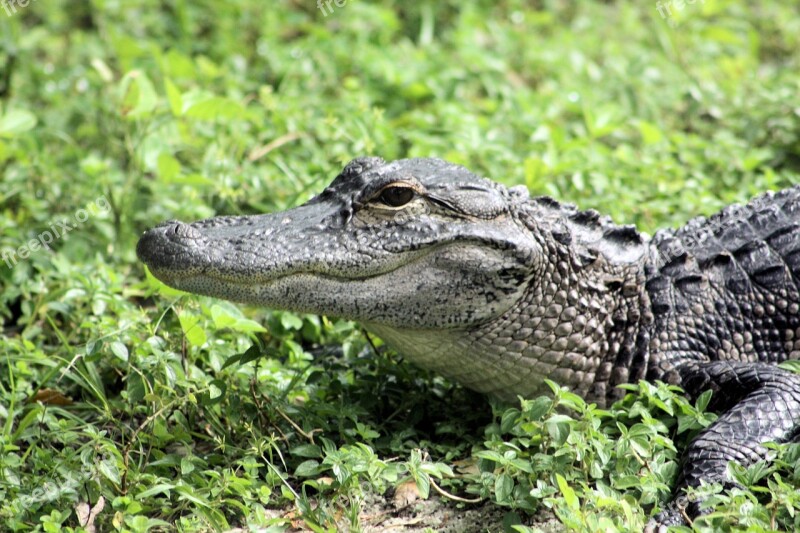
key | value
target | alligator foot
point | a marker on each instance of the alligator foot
(759, 404)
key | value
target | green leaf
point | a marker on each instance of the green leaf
(423, 485)
(168, 167)
(216, 108)
(173, 97)
(136, 389)
(537, 408)
(16, 121)
(703, 400)
(161, 287)
(664, 406)
(214, 394)
(232, 360)
(503, 486)
(569, 494)
(138, 97)
(792, 365)
(188, 493)
(226, 317)
(119, 349)
(187, 466)
(27, 420)
(309, 468)
(650, 133)
(559, 426)
(509, 420)
(307, 450)
(160, 488)
(190, 324)
(109, 470)
(290, 321)
(251, 354)
(490, 455)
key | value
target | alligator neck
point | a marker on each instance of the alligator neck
(580, 328)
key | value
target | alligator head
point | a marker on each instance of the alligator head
(417, 243)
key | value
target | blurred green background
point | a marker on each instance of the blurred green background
(185, 413)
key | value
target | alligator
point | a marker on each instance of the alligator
(500, 291)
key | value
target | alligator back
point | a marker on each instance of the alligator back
(726, 287)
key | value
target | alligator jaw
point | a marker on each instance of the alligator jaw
(186, 258)
(194, 258)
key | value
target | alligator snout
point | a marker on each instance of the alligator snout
(163, 245)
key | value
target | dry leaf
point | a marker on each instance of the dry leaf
(467, 467)
(86, 516)
(50, 397)
(406, 493)
(325, 481)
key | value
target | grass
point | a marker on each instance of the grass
(189, 414)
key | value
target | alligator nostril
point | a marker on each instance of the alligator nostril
(184, 231)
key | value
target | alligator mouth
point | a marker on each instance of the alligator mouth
(177, 277)
(174, 278)
(193, 282)
(181, 256)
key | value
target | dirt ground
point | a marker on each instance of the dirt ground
(436, 514)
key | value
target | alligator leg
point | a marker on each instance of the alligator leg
(759, 403)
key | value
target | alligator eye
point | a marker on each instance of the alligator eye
(396, 196)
